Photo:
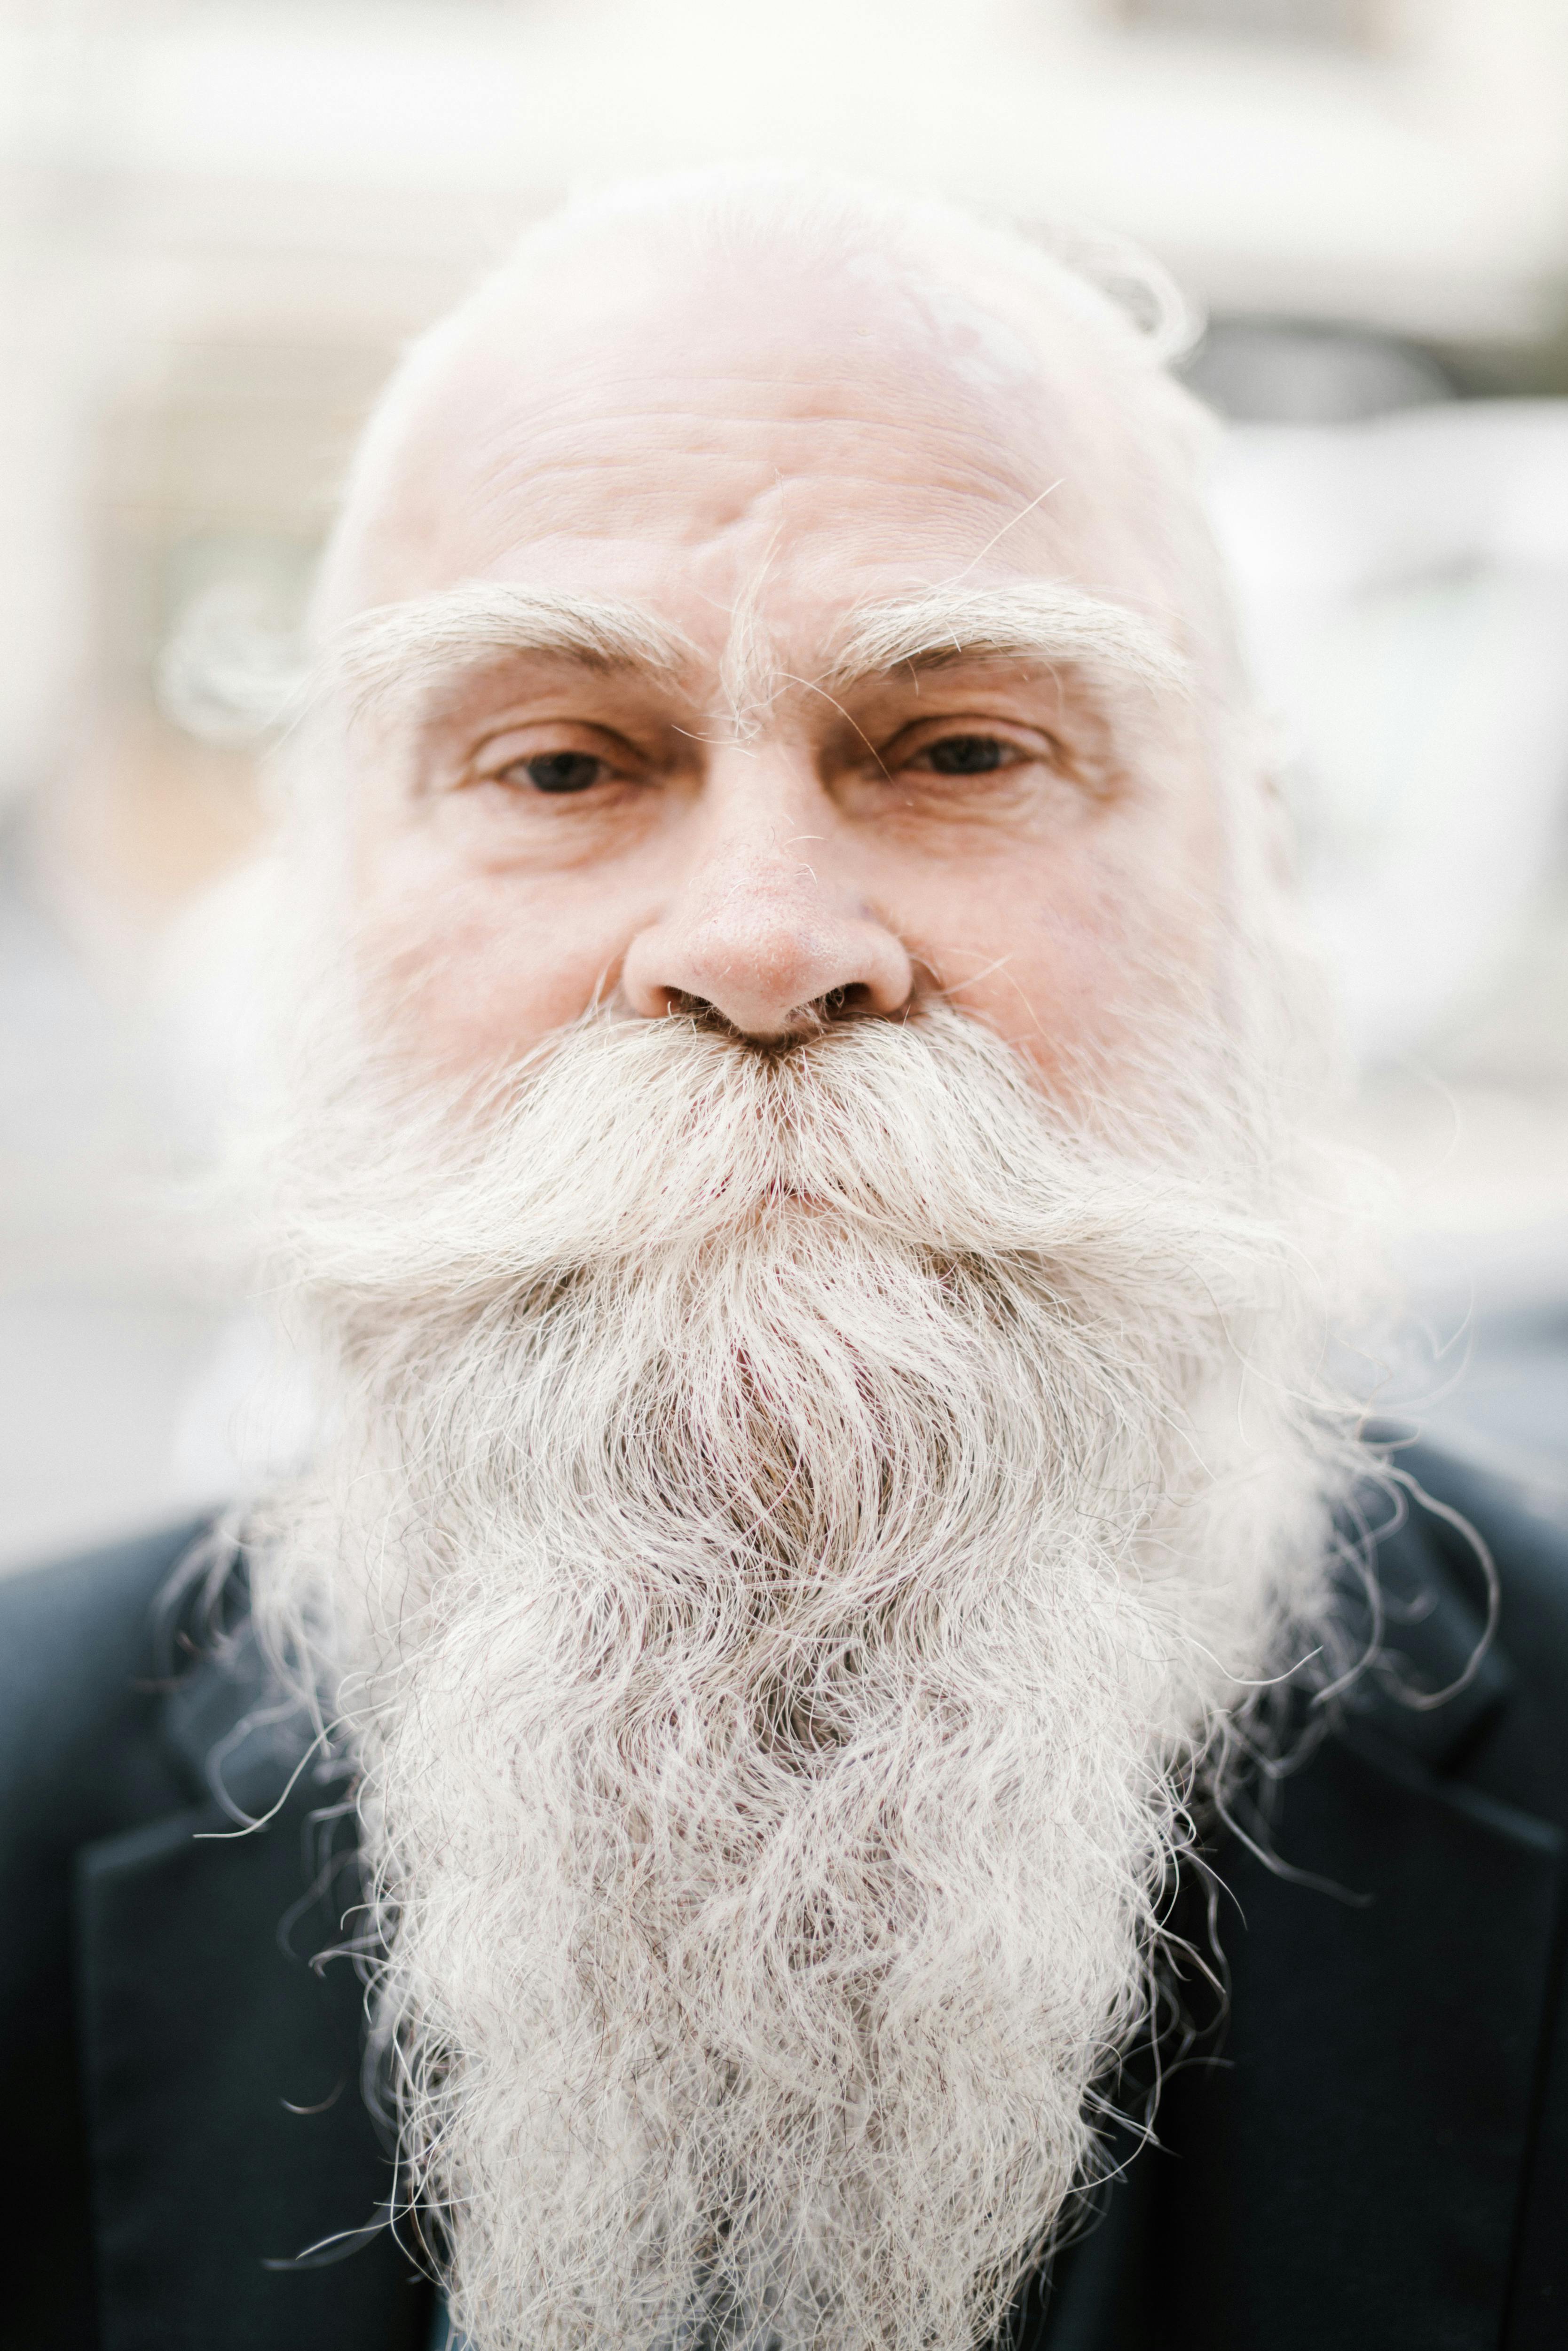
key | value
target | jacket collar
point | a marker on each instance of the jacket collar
(1340, 2163)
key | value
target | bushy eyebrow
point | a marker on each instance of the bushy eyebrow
(396, 654)
(1048, 622)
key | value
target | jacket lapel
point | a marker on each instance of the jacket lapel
(1348, 2170)
(229, 2134)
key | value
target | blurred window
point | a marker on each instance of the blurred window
(1343, 23)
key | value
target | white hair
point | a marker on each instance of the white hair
(793, 1530)
(748, 209)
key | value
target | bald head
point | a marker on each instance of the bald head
(686, 359)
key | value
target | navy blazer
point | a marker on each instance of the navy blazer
(1368, 2153)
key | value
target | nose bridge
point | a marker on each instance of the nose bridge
(766, 919)
(764, 820)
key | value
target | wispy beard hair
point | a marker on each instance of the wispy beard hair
(794, 1530)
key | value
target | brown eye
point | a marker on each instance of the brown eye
(966, 755)
(556, 771)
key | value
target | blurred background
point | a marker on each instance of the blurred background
(220, 220)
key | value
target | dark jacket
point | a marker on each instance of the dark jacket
(1372, 2156)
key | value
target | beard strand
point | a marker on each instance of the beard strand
(793, 1530)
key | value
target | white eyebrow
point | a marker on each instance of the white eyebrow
(395, 652)
(1048, 621)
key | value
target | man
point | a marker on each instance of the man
(898, 1771)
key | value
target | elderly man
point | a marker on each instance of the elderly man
(898, 1771)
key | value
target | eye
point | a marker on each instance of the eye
(966, 755)
(556, 771)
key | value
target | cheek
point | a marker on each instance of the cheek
(468, 971)
(1079, 959)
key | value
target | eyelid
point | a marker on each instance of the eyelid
(562, 735)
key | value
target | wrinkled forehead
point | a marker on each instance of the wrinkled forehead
(776, 430)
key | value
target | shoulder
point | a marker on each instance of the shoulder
(83, 1672)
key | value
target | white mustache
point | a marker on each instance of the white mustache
(623, 1139)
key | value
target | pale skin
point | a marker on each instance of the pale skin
(735, 808)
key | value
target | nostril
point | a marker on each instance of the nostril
(679, 1006)
(833, 1008)
(700, 1013)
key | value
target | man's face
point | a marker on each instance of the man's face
(765, 808)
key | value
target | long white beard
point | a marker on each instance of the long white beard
(794, 1530)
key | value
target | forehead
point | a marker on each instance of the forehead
(787, 436)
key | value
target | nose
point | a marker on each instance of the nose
(765, 930)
